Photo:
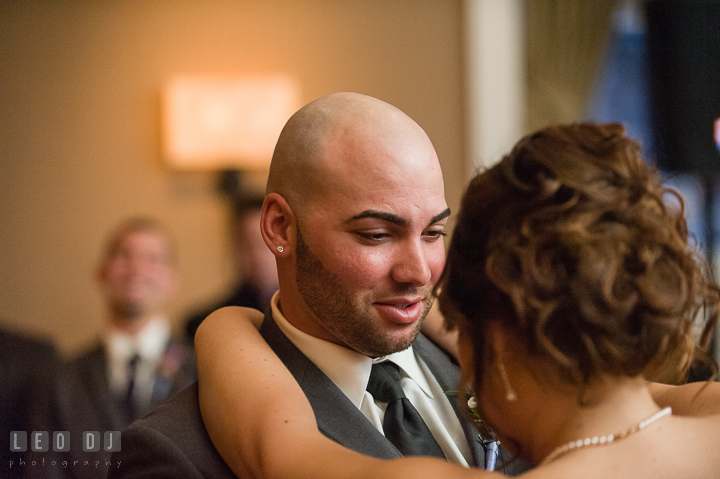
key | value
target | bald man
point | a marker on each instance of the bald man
(354, 214)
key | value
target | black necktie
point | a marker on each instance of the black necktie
(128, 399)
(402, 424)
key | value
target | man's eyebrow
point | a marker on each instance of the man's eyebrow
(395, 219)
(380, 215)
(439, 217)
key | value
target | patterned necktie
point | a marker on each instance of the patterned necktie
(402, 424)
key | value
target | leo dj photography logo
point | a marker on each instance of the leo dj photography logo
(39, 441)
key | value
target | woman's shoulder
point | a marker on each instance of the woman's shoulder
(678, 448)
(696, 433)
(690, 445)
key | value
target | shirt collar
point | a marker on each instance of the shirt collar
(410, 365)
(348, 369)
(149, 343)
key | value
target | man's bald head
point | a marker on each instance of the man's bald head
(338, 135)
(355, 214)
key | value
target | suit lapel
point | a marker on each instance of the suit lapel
(447, 375)
(337, 417)
(175, 371)
(93, 372)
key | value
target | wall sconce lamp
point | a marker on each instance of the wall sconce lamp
(227, 124)
(212, 123)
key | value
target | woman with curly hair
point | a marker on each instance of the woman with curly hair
(570, 280)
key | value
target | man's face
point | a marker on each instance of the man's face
(368, 256)
(138, 276)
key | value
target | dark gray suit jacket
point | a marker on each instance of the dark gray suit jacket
(172, 441)
(27, 366)
(82, 401)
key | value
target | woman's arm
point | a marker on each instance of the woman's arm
(694, 399)
(260, 421)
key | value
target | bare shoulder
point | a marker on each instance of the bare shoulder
(700, 434)
(678, 448)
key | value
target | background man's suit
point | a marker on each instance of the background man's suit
(172, 440)
(83, 402)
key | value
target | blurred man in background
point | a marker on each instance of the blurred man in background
(136, 364)
(255, 271)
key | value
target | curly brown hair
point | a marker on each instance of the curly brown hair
(570, 243)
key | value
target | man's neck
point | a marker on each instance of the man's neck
(130, 325)
(299, 315)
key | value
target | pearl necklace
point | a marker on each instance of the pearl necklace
(604, 440)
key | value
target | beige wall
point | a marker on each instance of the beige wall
(79, 124)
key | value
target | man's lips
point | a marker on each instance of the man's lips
(401, 311)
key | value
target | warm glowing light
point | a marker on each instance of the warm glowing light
(214, 123)
(717, 133)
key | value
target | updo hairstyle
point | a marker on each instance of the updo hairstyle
(570, 243)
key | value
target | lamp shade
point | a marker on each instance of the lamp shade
(225, 122)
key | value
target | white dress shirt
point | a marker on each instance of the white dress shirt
(350, 371)
(149, 344)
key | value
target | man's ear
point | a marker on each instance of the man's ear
(277, 225)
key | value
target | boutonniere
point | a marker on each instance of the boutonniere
(166, 370)
(486, 434)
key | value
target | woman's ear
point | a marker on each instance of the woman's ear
(277, 225)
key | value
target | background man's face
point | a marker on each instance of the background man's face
(138, 276)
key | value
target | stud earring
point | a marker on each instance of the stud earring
(510, 394)
(280, 249)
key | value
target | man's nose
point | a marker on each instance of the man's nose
(411, 264)
(138, 265)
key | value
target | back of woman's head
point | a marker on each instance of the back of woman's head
(570, 243)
